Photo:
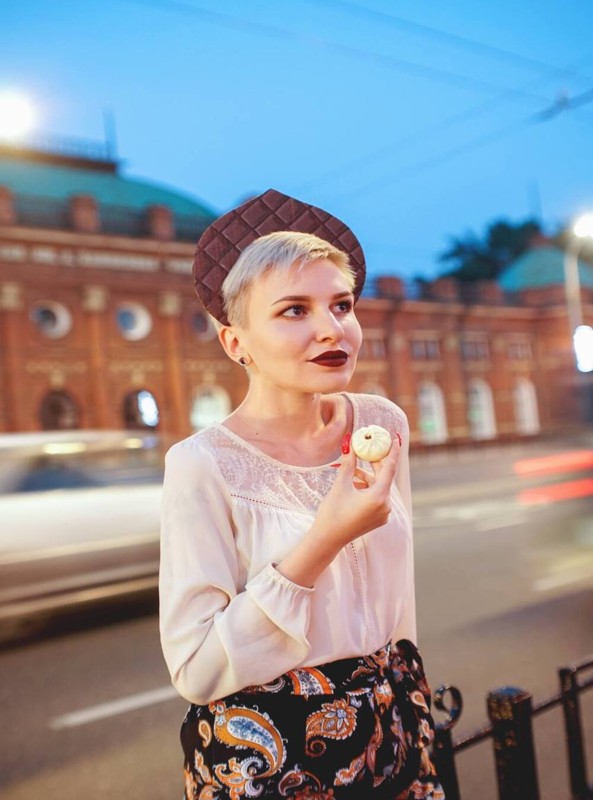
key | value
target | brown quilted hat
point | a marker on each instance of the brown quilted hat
(223, 241)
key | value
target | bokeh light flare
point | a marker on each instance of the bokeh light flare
(583, 348)
(583, 227)
(17, 115)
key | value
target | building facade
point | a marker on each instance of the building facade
(100, 326)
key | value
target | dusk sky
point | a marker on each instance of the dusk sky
(412, 121)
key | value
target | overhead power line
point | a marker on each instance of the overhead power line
(462, 149)
(381, 59)
(434, 129)
(413, 169)
(464, 42)
(565, 103)
(414, 68)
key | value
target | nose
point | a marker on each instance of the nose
(328, 327)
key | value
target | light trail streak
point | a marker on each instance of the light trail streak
(574, 461)
(556, 492)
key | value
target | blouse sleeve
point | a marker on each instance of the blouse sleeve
(218, 637)
(406, 628)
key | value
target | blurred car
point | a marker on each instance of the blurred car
(79, 521)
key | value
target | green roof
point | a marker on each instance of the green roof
(59, 182)
(542, 266)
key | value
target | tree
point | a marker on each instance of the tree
(475, 259)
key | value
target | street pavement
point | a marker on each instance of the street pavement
(504, 595)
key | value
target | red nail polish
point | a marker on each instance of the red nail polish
(346, 444)
(335, 465)
(399, 438)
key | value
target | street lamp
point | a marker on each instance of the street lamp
(582, 335)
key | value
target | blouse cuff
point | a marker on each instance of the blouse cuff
(286, 603)
(272, 573)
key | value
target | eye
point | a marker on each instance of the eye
(298, 309)
(345, 306)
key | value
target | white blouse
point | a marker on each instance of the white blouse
(228, 618)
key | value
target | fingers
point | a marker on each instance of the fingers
(386, 468)
(352, 475)
(347, 466)
(362, 479)
(378, 465)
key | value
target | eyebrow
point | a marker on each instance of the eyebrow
(301, 297)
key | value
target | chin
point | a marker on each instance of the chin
(327, 384)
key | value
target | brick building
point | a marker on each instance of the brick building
(100, 326)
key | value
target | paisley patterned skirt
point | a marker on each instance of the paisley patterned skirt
(340, 731)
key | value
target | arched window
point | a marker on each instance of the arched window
(211, 404)
(526, 412)
(59, 411)
(480, 410)
(141, 410)
(433, 418)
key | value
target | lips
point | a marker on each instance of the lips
(331, 358)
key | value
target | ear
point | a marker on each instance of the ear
(229, 338)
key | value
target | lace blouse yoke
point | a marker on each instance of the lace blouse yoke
(254, 476)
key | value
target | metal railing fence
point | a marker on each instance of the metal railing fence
(511, 712)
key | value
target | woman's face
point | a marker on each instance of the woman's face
(295, 316)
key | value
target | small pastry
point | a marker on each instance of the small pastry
(371, 443)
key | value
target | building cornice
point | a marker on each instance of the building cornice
(19, 233)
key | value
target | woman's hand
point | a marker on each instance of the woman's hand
(357, 503)
(359, 500)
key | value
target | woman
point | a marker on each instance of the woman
(286, 584)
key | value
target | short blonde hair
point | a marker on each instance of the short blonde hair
(279, 250)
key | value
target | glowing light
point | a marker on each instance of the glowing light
(148, 408)
(583, 347)
(583, 226)
(64, 448)
(556, 492)
(134, 444)
(574, 461)
(16, 115)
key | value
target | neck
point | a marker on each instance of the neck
(285, 414)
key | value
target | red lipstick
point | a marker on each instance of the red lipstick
(331, 358)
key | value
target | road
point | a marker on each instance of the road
(505, 596)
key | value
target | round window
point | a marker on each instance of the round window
(52, 319)
(134, 321)
(202, 326)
